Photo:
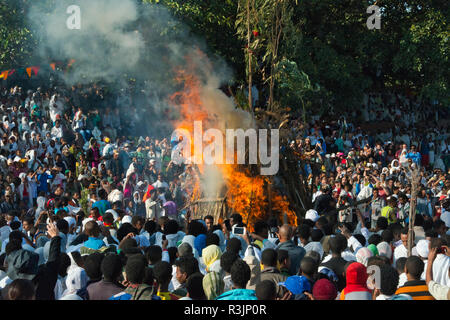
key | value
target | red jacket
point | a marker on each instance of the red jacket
(356, 278)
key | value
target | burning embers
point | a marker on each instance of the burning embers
(209, 148)
(202, 106)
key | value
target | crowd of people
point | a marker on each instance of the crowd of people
(91, 212)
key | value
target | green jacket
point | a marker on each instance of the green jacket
(141, 292)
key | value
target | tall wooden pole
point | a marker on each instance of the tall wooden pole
(250, 99)
(412, 208)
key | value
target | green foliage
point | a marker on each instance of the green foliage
(292, 84)
(213, 22)
(16, 40)
(301, 45)
(421, 62)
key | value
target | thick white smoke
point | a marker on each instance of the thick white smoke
(106, 45)
(120, 39)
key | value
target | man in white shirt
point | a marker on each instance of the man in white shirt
(56, 107)
(402, 250)
(57, 131)
(153, 207)
(160, 183)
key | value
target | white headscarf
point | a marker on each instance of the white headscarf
(75, 280)
(402, 157)
(363, 254)
(395, 167)
(25, 126)
(384, 249)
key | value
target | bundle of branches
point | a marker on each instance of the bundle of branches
(289, 179)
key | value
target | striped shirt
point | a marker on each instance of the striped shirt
(417, 289)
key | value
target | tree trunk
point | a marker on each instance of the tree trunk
(412, 209)
(412, 216)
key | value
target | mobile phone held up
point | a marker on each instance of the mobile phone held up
(238, 230)
(440, 250)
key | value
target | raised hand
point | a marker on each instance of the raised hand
(52, 230)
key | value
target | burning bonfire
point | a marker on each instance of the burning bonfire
(222, 189)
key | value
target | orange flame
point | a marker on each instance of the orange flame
(246, 194)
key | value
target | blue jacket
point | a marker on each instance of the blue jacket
(238, 294)
(296, 255)
(43, 185)
(94, 243)
(416, 157)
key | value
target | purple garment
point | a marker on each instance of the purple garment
(128, 191)
(96, 155)
(171, 209)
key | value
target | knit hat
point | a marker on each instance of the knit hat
(296, 284)
(373, 248)
(324, 289)
(213, 285)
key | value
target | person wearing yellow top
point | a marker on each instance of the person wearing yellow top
(261, 233)
(389, 211)
(167, 296)
(162, 272)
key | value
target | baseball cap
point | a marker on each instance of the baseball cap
(312, 214)
(296, 284)
(126, 219)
